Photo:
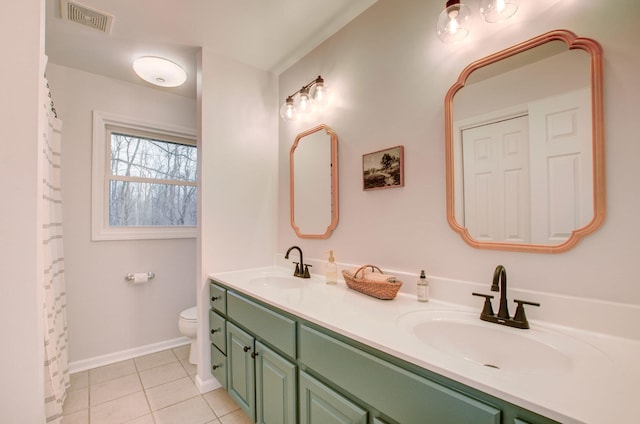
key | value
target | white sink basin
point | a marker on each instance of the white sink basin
(278, 281)
(463, 336)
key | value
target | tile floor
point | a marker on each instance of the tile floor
(153, 389)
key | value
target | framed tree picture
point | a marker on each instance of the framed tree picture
(383, 169)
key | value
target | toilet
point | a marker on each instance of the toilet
(188, 326)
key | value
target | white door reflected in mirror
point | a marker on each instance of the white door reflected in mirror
(524, 133)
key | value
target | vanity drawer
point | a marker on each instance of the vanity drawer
(277, 330)
(415, 399)
(217, 331)
(219, 366)
(218, 298)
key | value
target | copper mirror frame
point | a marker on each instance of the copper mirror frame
(334, 182)
(572, 41)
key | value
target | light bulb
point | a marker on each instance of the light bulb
(498, 10)
(288, 110)
(320, 97)
(454, 22)
(303, 101)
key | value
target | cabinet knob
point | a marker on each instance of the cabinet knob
(215, 367)
(213, 331)
(246, 348)
(254, 354)
(214, 298)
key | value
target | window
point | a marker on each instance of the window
(144, 180)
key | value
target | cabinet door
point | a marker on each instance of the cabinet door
(321, 405)
(240, 368)
(276, 392)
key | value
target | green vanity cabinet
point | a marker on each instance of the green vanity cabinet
(396, 392)
(281, 368)
(320, 404)
(256, 348)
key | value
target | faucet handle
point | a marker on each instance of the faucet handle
(306, 271)
(520, 315)
(487, 309)
(297, 271)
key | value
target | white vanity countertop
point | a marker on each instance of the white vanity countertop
(601, 386)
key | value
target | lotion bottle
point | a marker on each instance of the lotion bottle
(423, 288)
(331, 271)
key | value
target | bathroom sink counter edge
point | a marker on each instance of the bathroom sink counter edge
(596, 386)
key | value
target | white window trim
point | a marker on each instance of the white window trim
(100, 229)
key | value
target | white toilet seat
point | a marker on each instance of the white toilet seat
(190, 314)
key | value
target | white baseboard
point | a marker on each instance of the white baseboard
(110, 358)
(207, 385)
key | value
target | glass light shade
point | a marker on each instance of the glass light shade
(159, 71)
(454, 22)
(303, 102)
(320, 96)
(288, 110)
(498, 10)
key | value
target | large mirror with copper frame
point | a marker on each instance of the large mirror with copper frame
(313, 179)
(525, 146)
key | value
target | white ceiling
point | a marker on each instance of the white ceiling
(267, 34)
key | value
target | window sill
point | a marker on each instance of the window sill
(144, 233)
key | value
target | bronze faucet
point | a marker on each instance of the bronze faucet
(499, 283)
(500, 276)
(302, 270)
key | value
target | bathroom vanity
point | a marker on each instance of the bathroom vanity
(297, 350)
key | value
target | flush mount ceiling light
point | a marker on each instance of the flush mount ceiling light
(454, 21)
(159, 71)
(311, 96)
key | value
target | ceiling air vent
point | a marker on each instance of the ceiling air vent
(79, 13)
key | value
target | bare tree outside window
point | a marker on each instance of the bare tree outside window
(152, 182)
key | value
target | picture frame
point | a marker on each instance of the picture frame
(383, 169)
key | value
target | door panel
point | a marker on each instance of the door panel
(276, 394)
(321, 405)
(241, 377)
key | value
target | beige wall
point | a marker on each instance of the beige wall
(105, 314)
(238, 127)
(22, 354)
(390, 73)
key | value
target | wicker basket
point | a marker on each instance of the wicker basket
(385, 290)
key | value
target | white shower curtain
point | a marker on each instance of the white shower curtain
(56, 363)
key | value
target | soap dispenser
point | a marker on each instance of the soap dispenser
(423, 288)
(331, 270)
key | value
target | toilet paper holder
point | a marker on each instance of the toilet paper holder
(132, 276)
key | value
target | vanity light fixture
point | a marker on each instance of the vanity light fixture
(454, 22)
(310, 96)
(159, 71)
